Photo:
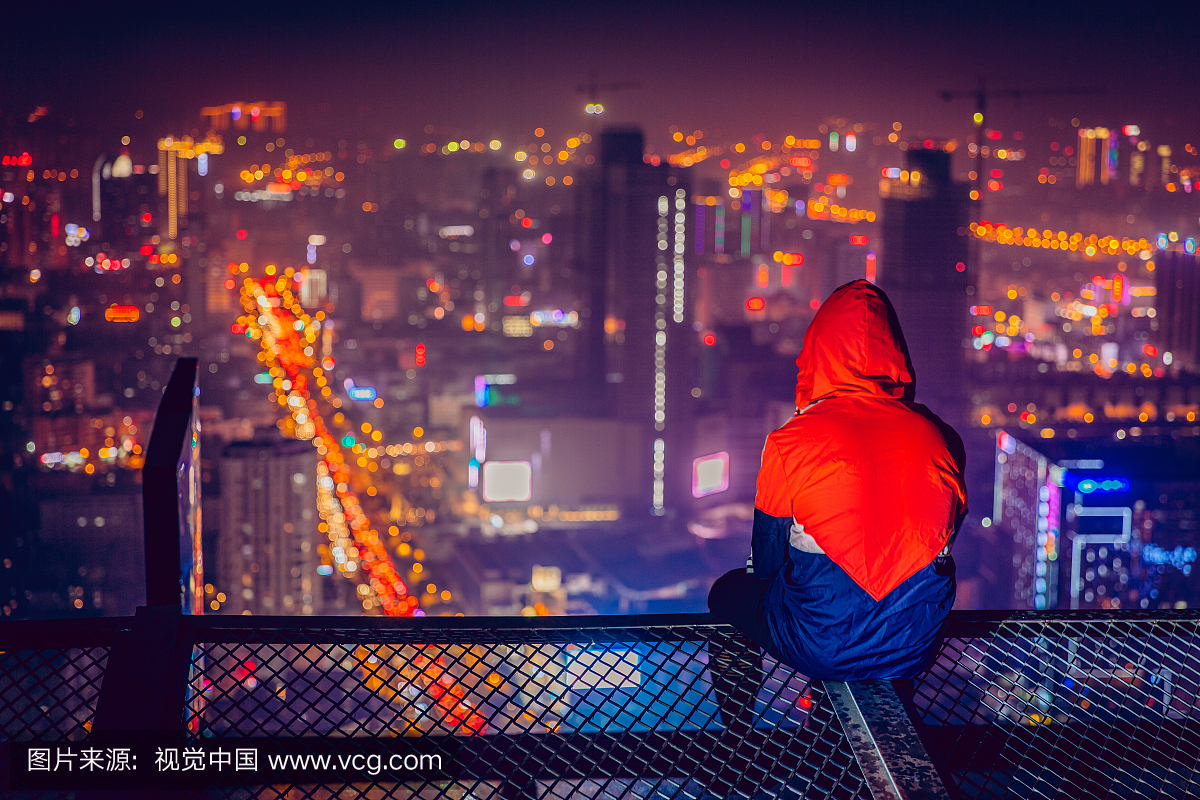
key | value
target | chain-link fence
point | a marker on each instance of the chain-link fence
(1066, 704)
(51, 673)
(607, 709)
(1055, 704)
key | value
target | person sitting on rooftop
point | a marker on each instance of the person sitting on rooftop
(858, 500)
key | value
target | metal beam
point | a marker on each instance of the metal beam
(889, 752)
(160, 492)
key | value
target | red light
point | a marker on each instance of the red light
(241, 234)
(146, 217)
(420, 354)
(993, 134)
(981, 311)
(154, 259)
(229, 284)
(724, 163)
(997, 173)
(527, 223)
(4, 161)
(1150, 350)
(245, 671)
(977, 330)
(122, 313)
(814, 304)
(146, 250)
(238, 328)
(516, 300)
(709, 339)
(793, 259)
(960, 267)
(859, 240)
(54, 226)
(756, 304)
(1098, 281)
(24, 160)
(547, 238)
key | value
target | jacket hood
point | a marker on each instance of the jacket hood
(854, 345)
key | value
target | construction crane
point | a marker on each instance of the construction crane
(592, 89)
(982, 94)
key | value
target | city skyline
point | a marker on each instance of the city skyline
(463, 307)
(829, 373)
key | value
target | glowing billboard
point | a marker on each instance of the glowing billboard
(507, 481)
(710, 474)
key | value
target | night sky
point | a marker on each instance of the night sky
(500, 69)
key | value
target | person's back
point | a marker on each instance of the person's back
(858, 498)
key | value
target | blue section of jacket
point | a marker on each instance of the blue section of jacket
(826, 626)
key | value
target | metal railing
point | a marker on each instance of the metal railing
(1019, 705)
(1048, 704)
(1065, 704)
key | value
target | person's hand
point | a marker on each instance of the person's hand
(801, 540)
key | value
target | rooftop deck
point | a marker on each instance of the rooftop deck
(1023, 705)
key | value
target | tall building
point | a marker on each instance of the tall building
(923, 269)
(633, 246)
(1027, 510)
(1177, 283)
(498, 198)
(268, 546)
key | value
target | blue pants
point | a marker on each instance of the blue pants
(737, 597)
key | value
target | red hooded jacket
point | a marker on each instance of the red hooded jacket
(866, 471)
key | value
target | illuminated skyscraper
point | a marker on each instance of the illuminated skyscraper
(1177, 281)
(173, 157)
(1028, 510)
(268, 547)
(243, 116)
(634, 238)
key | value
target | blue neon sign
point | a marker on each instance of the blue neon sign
(1102, 485)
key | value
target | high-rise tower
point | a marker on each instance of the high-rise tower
(633, 246)
(923, 269)
(267, 550)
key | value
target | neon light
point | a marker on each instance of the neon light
(1103, 486)
(710, 474)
